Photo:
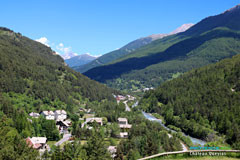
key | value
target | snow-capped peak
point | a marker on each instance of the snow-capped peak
(182, 28)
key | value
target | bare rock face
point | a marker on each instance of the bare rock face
(182, 28)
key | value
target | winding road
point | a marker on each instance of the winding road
(127, 107)
(64, 139)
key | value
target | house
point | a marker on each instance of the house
(147, 89)
(60, 115)
(112, 150)
(96, 119)
(131, 98)
(123, 135)
(123, 123)
(49, 115)
(120, 98)
(34, 115)
(37, 142)
(62, 126)
(91, 120)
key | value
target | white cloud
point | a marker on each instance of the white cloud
(66, 51)
(61, 45)
(43, 40)
(60, 49)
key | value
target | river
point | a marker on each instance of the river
(152, 118)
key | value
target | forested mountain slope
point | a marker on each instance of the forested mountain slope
(168, 57)
(30, 68)
(129, 49)
(201, 101)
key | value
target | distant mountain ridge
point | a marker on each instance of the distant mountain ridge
(80, 60)
(127, 49)
(212, 39)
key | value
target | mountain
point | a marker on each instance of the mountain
(33, 78)
(69, 55)
(127, 49)
(202, 102)
(30, 68)
(210, 40)
(228, 19)
(80, 60)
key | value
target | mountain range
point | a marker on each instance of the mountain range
(80, 60)
(212, 39)
(127, 49)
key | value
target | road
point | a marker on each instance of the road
(64, 139)
(184, 148)
(127, 107)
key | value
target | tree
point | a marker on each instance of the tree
(96, 148)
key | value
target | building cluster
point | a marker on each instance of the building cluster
(60, 116)
(122, 98)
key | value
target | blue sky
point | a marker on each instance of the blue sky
(100, 26)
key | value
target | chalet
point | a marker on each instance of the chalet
(62, 126)
(91, 120)
(147, 89)
(60, 115)
(123, 123)
(123, 135)
(120, 98)
(49, 115)
(96, 119)
(37, 142)
(131, 98)
(34, 115)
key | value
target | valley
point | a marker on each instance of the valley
(173, 95)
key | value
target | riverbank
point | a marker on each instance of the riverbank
(152, 118)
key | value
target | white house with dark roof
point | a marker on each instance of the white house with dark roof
(123, 123)
(49, 115)
(60, 115)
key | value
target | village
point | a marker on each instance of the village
(64, 126)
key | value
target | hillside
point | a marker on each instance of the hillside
(171, 56)
(201, 101)
(128, 49)
(79, 60)
(27, 67)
